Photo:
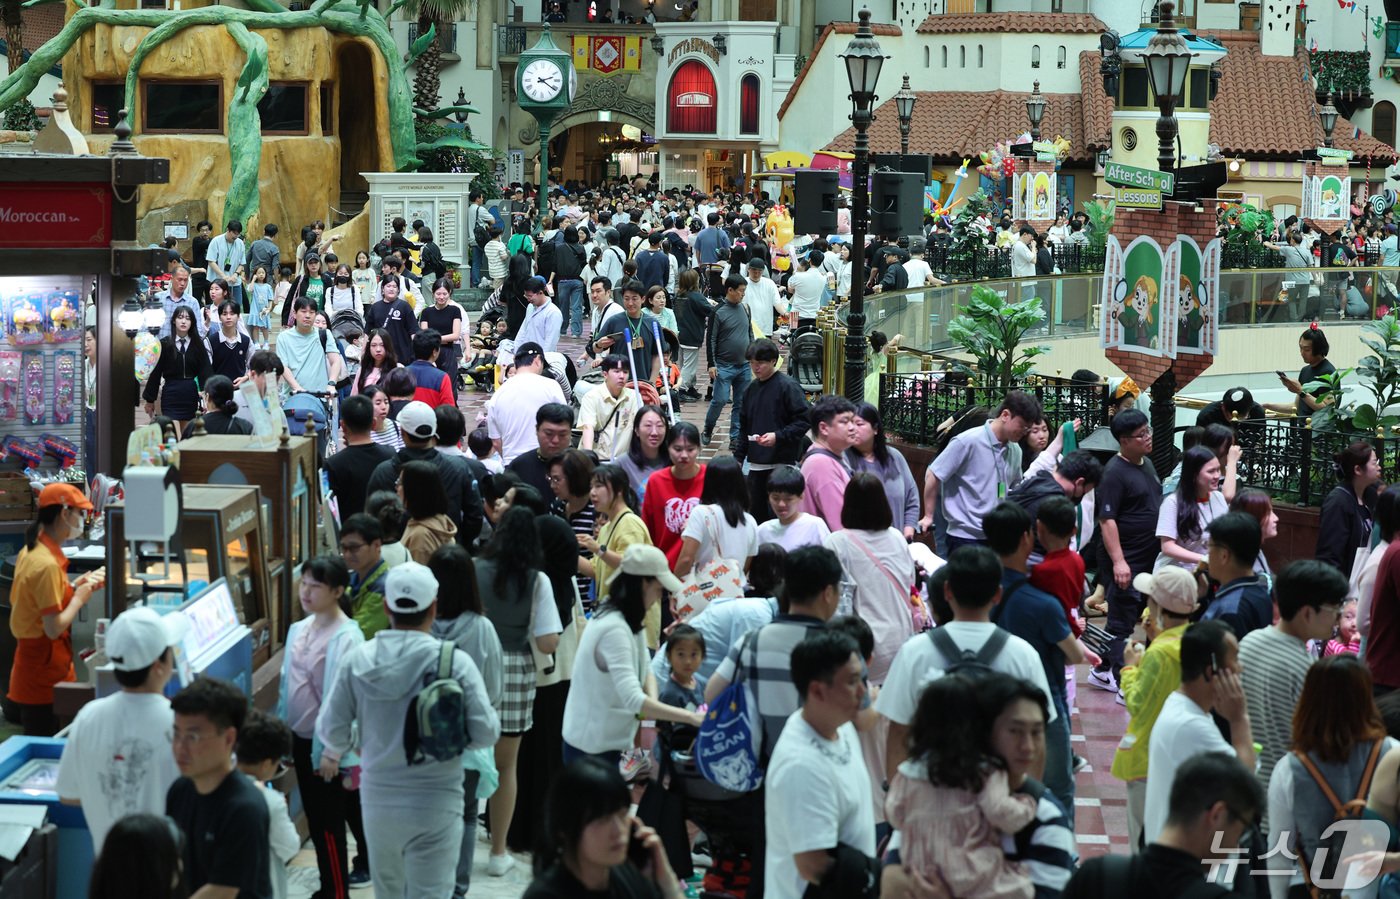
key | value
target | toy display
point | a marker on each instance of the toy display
(62, 315)
(33, 373)
(9, 385)
(64, 381)
(24, 319)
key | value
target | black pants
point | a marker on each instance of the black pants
(37, 720)
(1125, 607)
(758, 495)
(325, 806)
(355, 820)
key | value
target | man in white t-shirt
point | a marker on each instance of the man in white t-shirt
(974, 586)
(510, 419)
(605, 415)
(806, 287)
(761, 296)
(818, 790)
(1210, 681)
(919, 272)
(790, 527)
(117, 760)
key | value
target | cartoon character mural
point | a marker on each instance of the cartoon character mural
(1042, 199)
(1326, 197)
(1160, 302)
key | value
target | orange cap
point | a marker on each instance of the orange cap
(63, 495)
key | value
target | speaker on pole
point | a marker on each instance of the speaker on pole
(814, 201)
(897, 203)
(918, 163)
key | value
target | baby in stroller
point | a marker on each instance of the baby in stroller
(482, 366)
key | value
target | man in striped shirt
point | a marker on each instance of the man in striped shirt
(1276, 659)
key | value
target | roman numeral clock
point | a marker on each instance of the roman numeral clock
(545, 84)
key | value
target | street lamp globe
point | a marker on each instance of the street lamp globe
(1035, 110)
(1167, 57)
(1328, 114)
(904, 107)
(864, 60)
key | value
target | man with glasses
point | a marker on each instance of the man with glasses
(1242, 597)
(542, 320)
(1210, 682)
(554, 428)
(1128, 498)
(1276, 659)
(116, 761)
(361, 539)
(222, 814)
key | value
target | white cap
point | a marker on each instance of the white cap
(647, 561)
(140, 636)
(418, 420)
(410, 587)
(1173, 587)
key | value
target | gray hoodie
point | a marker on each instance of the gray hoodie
(476, 636)
(374, 686)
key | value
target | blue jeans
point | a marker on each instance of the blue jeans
(569, 295)
(728, 378)
(1059, 759)
(466, 854)
(235, 287)
(476, 254)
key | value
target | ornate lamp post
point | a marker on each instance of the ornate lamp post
(1035, 110)
(904, 106)
(1168, 58)
(1328, 114)
(863, 62)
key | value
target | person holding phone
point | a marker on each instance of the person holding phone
(1313, 348)
(597, 847)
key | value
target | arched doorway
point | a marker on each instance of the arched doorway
(357, 119)
(583, 145)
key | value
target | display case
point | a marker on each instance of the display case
(286, 473)
(222, 536)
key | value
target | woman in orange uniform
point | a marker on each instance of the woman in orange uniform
(44, 606)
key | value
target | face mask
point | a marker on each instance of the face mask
(342, 280)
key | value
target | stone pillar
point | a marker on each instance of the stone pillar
(1315, 168)
(806, 27)
(485, 33)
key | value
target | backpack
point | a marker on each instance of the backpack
(1331, 847)
(729, 749)
(545, 253)
(1120, 875)
(974, 665)
(435, 728)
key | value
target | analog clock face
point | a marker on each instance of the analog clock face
(542, 81)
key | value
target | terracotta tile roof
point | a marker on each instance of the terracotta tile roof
(40, 24)
(952, 125)
(880, 30)
(1267, 109)
(1098, 108)
(1013, 22)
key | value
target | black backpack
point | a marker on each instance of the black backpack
(480, 234)
(975, 665)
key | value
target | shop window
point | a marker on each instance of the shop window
(327, 109)
(1035, 56)
(107, 100)
(1383, 122)
(182, 107)
(283, 108)
(691, 100)
(748, 104)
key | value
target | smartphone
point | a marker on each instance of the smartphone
(1280, 373)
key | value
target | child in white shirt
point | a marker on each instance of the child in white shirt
(264, 742)
(793, 528)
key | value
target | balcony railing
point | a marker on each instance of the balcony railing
(446, 38)
(510, 40)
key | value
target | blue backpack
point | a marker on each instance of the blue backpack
(729, 748)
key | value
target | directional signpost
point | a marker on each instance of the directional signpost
(1120, 175)
(1137, 198)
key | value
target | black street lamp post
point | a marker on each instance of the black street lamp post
(1168, 58)
(1328, 114)
(904, 106)
(863, 61)
(1035, 110)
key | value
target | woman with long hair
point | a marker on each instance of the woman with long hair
(142, 858)
(519, 601)
(312, 283)
(316, 646)
(671, 494)
(383, 429)
(378, 360)
(364, 278)
(341, 295)
(220, 408)
(521, 270)
(429, 526)
(590, 829)
(619, 524)
(871, 453)
(571, 481)
(1185, 516)
(1258, 503)
(183, 363)
(1345, 524)
(446, 318)
(460, 619)
(646, 454)
(614, 687)
(1338, 737)
(44, 606)
(721, 526)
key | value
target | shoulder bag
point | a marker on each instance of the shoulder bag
(719, 577)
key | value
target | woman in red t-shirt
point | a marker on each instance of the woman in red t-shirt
(672, 492)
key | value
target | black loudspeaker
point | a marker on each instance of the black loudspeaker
(897, 203)
(920, 163)
(814, 201)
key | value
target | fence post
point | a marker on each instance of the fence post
(1305, 484)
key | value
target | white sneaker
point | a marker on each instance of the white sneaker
(1103, 680)
(1120, 700)
(499, 865)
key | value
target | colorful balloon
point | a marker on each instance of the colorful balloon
(147, 354)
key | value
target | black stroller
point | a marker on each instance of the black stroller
(807, 358)
(681, 793)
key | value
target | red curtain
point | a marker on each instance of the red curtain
(748, 104)
(691, 100)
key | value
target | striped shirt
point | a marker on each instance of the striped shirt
(1275, 665)
(582, 522)
(769, 676)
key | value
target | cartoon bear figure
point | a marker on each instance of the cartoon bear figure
(1189, 317)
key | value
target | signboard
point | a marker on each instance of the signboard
(1161, 301)
(1326, 153)
(180, 230)
(515, 166)
(1120, 175)
(43, 215)
(1326, 197)
(1137, 198)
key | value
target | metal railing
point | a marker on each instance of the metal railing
(913, 406)
(510, 40)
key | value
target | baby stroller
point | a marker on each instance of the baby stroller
(808, 353)
(727, 818)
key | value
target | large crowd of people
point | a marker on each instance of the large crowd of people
(807, 670)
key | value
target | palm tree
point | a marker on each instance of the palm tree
(14, 38)
(438, 15)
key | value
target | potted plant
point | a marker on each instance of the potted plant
(992, 330)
